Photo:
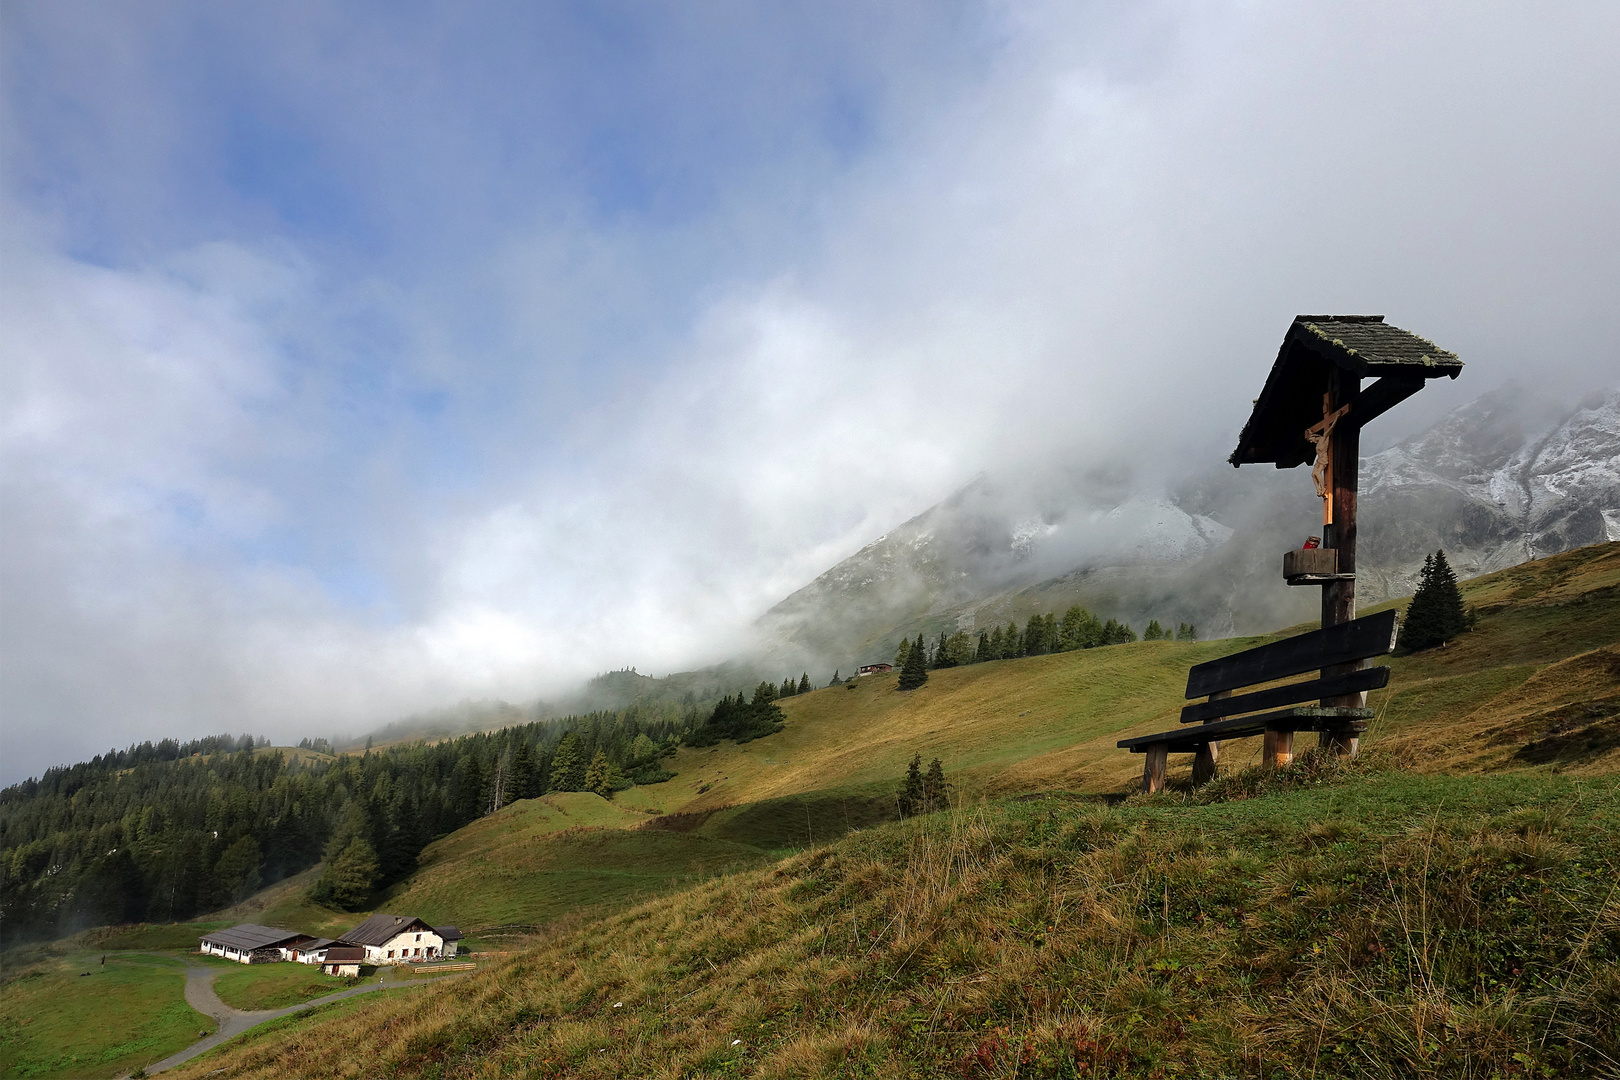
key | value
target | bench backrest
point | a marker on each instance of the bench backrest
(1354, 640)
(1342, 644)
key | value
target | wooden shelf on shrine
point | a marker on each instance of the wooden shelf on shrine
(1313, 566)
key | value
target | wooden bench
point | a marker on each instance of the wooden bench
(1337, 653)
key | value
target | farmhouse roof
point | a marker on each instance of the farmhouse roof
(448, 933)
(317, 945)
(1364, 346)
(382, 927)
(345, 954)
(250, 936)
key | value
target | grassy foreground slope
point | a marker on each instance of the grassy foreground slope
(1338, 922)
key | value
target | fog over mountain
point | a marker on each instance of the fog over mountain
(1509, 477)
(357, 362)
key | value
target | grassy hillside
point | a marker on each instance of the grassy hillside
(540, 858)
(1052, 721)
(1339, 922)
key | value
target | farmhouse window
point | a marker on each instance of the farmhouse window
(390, 954)
(418, 937)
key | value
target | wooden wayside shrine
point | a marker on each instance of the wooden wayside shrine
(1311, 411)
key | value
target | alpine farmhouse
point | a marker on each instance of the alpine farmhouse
(381, 939)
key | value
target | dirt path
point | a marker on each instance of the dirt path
(200, 995)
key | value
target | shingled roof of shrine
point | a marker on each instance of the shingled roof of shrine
(1364, 346)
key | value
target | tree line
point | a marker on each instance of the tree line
(1077, 629)
(168, 831)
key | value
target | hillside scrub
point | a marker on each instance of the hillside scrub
(1346, 924)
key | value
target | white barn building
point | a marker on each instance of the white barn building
(251, 943)
(399, 939)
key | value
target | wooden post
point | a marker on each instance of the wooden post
(1277, 748)
(1153, 763)
(1339, 597)
(1208, 756)
(1205, 759)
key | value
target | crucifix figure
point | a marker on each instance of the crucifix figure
(1320, 435)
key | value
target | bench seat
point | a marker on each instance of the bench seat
(1309, 718)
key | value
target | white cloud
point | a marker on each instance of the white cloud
(248, 484)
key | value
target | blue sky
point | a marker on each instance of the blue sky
(360, 358)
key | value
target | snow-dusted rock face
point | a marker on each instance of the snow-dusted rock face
(1155, 531)
(1496, 482)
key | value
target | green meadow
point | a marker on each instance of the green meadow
(56, 1021)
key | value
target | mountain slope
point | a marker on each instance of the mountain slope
(1499, 481)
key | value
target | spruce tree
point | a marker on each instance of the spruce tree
(804, 683)
(996, 642)
(1154, 631)
(911, 795)
(903, 653)
(1453, 620)
(521, 778)
(567, 766)
(1420, 628)
(596, 777)
(1435, 615)
(935, 791)
(981, 653)
(915, 670)
(350, 875)
(1034, 631)
(836, 681)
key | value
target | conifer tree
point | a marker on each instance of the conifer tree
(996, 642)
(981, 652)
(596, 777)
(903, 653)
(935, 791)
(804, 683)
(238, 869)
(911, 794)
(764, 694)
(1435, 615)
(836, 681)
(1034, 631)
(567, 765)
(1154, 631)
(915, 671)
(350, 875)
(520, 775)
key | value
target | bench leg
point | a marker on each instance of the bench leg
(1278, 748)
(1204, 762)
(1153, 763)
(1342, 743)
